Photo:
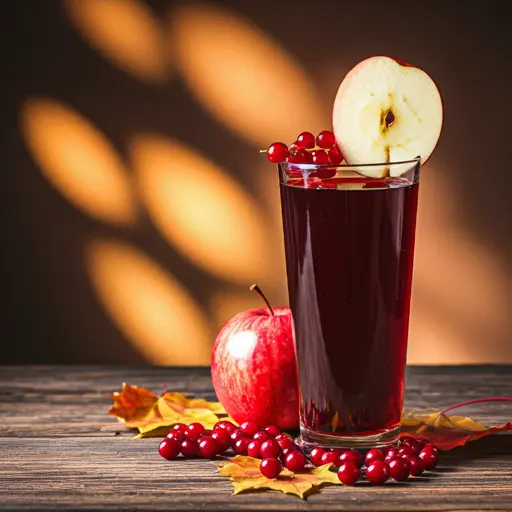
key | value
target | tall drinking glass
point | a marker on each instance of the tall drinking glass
(349, 244)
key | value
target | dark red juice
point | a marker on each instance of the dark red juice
(349, 258)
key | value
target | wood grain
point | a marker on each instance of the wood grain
(60, 449)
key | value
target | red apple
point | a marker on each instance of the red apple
(254, 369)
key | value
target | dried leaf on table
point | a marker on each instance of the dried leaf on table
(150, 413)
(246, 476)
(447, 432)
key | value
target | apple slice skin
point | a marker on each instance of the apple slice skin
(373, 88)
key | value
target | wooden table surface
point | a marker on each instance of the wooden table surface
(59, 449)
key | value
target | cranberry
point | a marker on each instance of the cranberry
(429, 457)
(285, 441)
(349, 473)
(306, 140)
(299, 155)
(241, 446)
(206, 432)
(169, 448)
(277, 152)
(295, 461)
(222, 438)
(270, 449)
(236, 435)
(194, 431)
(377, 473)
(325, 139)
(249, 428)
(373, 455)
(225, 425)
(254, 449)
(316, 456)
(189, 448)
(412, 445)
(320, 157)
(272, 430)
(181, 427)
(329, 458)
(270, 468)
(286, 452)
(405, 450)
(335, 156)
(351, 456)
(392, 453)
(399, 469)
(417, 466)
(261, 436)
(208, 447)
(178, 435)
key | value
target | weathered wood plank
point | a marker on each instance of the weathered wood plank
(59, 449)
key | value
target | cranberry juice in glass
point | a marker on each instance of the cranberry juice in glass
(349, 243)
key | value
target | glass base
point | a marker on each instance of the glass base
(309, 439)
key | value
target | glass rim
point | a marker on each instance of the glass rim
(414, 161)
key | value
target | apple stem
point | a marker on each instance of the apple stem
(257, 289)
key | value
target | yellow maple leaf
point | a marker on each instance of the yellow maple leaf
(144, 410)
(246, 476)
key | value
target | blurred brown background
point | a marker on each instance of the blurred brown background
(138, 209)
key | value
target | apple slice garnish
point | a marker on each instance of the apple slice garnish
(386, 111)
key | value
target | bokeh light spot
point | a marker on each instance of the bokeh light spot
(153, 310)
(126, 32)
(200, 209)
(78, 160)
(247, 81)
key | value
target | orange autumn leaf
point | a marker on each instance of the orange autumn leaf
(245, 475)
(148, 412)
(447, 432)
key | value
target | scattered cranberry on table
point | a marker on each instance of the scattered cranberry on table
(177, 435)
(223, 439)
(351, 456)
(194, 431)
(295, 461)
(373, 455)
(208, 447)
(270, 449)
(261, 436)
(272, 430)
(236, 435)
(241, 446)
(254, 449)
(189, 448)
(270, 467)
(329, 457)
(377, 472)
(349, 473)
(399, 469)
(417, 466)
(169, 448)
(411, 457)
(249, 428)
(316, 456)
(285, 441)
(430, 456)
(225, 425)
